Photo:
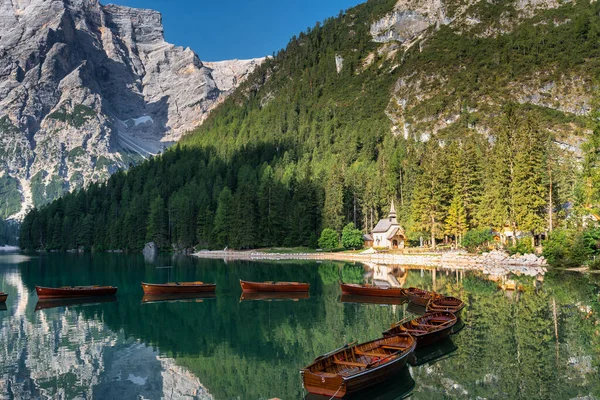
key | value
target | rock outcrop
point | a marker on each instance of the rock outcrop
(229, 74)
(86, 89)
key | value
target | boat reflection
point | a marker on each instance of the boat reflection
(397, 387)
(433, 353)
(459, 326)
(178, 297)
(352, 298)
(295, 296)
(416, 309)
(45, 304)
(3, 307)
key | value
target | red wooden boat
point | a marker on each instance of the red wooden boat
(3, 297)
(371, 290)
(74, 291)
(427, 329)
(295, 296)
(449, 304)
(356, 367)
(270, 286)
(178, 287)
(420, 297)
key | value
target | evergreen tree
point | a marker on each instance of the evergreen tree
(223, 219)
(158, 223)
(456, 220)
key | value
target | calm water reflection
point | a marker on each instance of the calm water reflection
(541, 343)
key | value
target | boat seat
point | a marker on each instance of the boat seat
(397, 348)
(349, 363)
(370, 354)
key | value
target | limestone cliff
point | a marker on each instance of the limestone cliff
(86, 89)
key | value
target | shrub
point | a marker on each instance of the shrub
(329, 239)
(595, 265)
(523, 246)
(555, 249)
(477, 239)
(352, 237)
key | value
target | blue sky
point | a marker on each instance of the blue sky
(226, 29)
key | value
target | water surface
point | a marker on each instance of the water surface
(542, 342)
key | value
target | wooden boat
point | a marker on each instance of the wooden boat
(353, 368)
(3, 297)
(74, 291)
(351, 298)
(178, 287)
(295, 296)
(450, 304)
(178, 297)
(48, 303)
(427, 329)
(420, 297)
(399, 386)
(270, 286)
(371, 290)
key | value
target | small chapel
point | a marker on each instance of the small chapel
(387, 233)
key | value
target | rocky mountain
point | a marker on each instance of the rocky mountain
(87, 89)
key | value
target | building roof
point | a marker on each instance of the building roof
(367, 237)
(385, 224)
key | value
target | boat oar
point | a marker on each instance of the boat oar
(406, 319)
(335, 351)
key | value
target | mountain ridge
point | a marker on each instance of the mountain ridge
(87, 89)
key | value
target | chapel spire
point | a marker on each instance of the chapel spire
(392, 210)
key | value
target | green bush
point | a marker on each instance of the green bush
(329, 239)
(568, 249)
(477, 239)
(555, 249)
(352, 237)
(523, 246)
(595, 265)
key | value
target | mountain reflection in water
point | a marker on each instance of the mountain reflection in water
(541, 342)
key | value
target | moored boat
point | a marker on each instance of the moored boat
(3, 297)
(353, 368)
(420, 297)
(178, 287)
(371, 290)
(74, 291)
(270, 286)
(450, 304)
(295, 296)
(427, 329)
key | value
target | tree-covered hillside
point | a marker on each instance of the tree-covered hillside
(314, 139)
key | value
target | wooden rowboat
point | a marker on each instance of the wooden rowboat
(427, 329)
(74, 291)
(295, 296)
(270, 286)
(178, 287)
(450, 304)
(371, 290)
(3, 297)
(399, 386)
(356, 367)
(420, 297)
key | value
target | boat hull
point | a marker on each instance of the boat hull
(331, 384)
(152, 288)
(363, 290)
(424, 336)
(3, 297)
(420, 297)
(70, 292)
(249, 287)
(295, 296)
(448, 304)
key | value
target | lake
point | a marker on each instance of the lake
(541, 341)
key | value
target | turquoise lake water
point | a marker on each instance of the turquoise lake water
(539, 342)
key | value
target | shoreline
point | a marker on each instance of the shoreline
(493, 262)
